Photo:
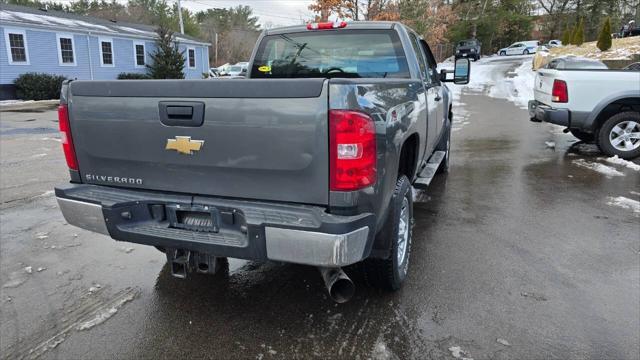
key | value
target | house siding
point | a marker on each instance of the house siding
(42, 51)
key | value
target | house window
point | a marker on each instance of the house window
(106, 52)
(66, 54)
(16, 43)
(139, 54)
(192, 57)
(18, 53)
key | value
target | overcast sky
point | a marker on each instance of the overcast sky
(273, 12)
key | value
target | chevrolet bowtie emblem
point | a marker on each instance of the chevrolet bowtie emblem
(184, 145)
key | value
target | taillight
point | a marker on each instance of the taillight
(559, 92)
(65, 135)
(352, 142)
(327, 25)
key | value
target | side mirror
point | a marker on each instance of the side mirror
(244, 71)
(460, 72)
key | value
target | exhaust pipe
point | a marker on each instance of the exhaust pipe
(339, 285)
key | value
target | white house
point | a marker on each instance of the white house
(81, 47)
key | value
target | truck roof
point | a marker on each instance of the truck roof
(369, 25)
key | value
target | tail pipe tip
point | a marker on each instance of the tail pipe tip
(340, 287)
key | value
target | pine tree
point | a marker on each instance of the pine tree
(566, 36)
(578, 35)
(604, 40)
(168, 61)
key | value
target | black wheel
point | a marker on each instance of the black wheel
(390, 273)
(620, 135)
(584, 136)
(503, 53)
(445, 145)
(525, 52)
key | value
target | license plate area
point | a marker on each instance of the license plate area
(194, 218)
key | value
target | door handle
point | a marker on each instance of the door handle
(181, 113)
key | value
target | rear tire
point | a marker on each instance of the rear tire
(390, 273)
(620, 135)
(583, 136)
(503, 53)
(525, 52)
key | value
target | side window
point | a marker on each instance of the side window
(422, 62)
(431, 61)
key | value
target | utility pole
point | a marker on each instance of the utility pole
(180, 18)
(356, 19)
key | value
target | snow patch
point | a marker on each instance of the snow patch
(619, 161)
(601, 168)
(625, 203)
(381, 350)
(458, 353)
(106, 314)
(550, 144)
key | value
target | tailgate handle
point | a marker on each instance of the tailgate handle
(181, 113)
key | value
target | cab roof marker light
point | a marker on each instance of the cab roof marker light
(327, 25)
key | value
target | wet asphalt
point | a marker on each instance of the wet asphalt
(519, 252)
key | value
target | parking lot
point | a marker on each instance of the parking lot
(528, 248)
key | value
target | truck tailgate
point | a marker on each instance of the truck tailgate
(255, 139)
(543, 85)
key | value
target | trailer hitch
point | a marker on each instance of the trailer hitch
(183, 262)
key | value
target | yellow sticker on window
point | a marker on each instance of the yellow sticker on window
(264, 68)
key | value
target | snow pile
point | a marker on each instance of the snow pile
(487, 77)
(619, 161)
(601, 168)
(624, 203)
(518, 89)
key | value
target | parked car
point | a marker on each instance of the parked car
(554, 43)
(310, 160)
(237, 70)
(468, 48)
(634, 66)
(575, 62)
(520, 48)
(593, 103)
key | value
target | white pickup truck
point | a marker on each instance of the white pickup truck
(598, 105)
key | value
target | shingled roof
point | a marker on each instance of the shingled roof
(63, 21)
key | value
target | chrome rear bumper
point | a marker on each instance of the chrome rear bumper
(288, 233)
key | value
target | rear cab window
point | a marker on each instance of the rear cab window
(330, 54)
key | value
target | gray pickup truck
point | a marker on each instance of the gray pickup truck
(309, 160)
